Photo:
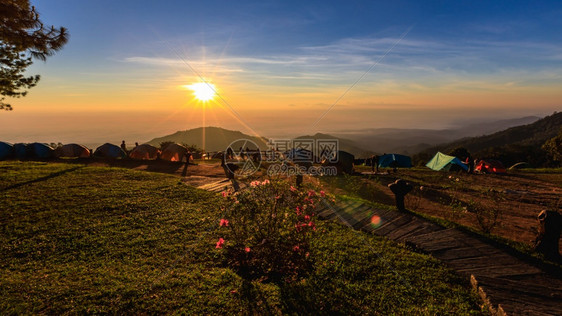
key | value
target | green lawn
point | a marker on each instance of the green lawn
(78, 239)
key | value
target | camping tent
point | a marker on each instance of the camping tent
(173, 152)
(72, 151)
(519, 165)
(343, 162)
(110, 151)
(145, 152)
(42, 151)
(22, 151)
(489, 166)
(395, 160)
(6, 150)
(444, 162)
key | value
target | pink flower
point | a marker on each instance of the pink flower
(277, 197)
(306, 218)
(247, 249)
(254, 183)
(322, 193)
(220, 243)
(296, 248)
(306, 254)
(298, 210)
(293, 189)
(311, 193)
(265, 182)
(224, 194)
(223, 222)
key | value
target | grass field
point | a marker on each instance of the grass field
(78, 239)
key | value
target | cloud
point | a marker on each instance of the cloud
(178, 62)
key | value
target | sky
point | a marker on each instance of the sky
(288, 68)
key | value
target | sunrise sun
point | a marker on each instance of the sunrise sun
(203, 91)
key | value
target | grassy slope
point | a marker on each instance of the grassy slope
(84, 239)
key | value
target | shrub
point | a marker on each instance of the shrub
(266, 231)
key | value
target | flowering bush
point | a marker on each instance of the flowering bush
(266, 230)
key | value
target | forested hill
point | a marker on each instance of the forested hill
(520, 143)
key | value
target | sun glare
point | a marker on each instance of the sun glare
(203, 91)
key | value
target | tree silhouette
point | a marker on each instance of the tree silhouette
(553, 147)
(23, 37)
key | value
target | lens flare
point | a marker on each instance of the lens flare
(376, 221)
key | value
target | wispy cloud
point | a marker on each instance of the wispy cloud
(414, 64)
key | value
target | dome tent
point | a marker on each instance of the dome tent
(72, 151)
(145, 152)
(343, 162)
(22, 151)
(108, 150)
(6, 150)
(173, 152)
(41, 150)
(395, 160)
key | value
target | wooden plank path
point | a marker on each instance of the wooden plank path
(222, 185)
(509, 284)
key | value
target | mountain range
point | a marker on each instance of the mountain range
(411, 141)
(360, 143)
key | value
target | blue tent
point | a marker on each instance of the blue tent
(444, 162)
(395, 160)
(22, 151)
(110, 151)
(6, 150)
(42, 151)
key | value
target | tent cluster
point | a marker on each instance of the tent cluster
(450, 163)
(172, 152)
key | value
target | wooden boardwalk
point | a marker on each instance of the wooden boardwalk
(222, 185)
(509, 284)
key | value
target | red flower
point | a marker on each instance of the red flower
(306, 218)
(296, 248)
(247, 249)
(224, 222)
(322, 193)
(220, 243)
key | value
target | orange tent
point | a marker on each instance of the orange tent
(173, 152)
(145, 152)
(72, 151)
(489, 166)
